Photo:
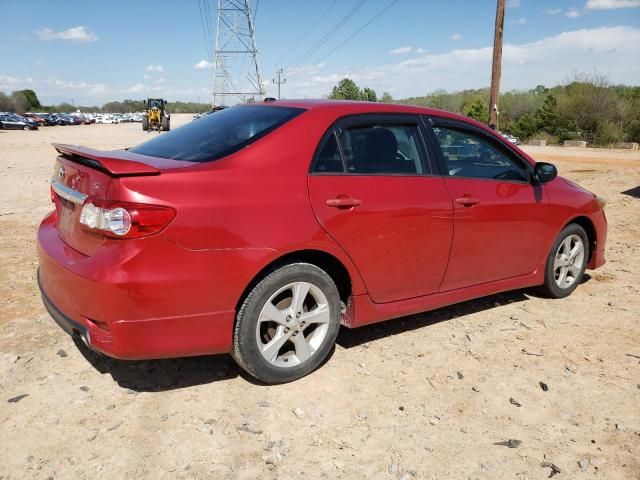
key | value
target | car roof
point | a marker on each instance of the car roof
(351, 107)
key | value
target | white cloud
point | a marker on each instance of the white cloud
(611, 4)
(145, 76)
(155, 68)
(513, 3)
(456, 36)
(137, 88)
(547, 61)
(574, 12)
(161, 80)
(7, 81)
(203, 64)
(400, 51)
(518, 21)
(553, 11)
(78, 34)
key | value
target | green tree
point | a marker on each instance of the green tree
(478, 110)
(6, 103)
(346, 90)
(32, 99)
(525, 127)
(547, 115)
(369, 95)
(20, 102)
(386, 98)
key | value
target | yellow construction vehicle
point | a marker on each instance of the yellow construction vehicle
(156, 116)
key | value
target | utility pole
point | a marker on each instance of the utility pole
(236, 71)
(280, 80)
(494, 97)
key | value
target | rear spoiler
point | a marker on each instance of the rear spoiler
(117, 163)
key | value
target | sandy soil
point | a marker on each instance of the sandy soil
(427, 396)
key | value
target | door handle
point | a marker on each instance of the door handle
(343, 202)
(467, 201)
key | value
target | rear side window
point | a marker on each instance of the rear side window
(218, 134)
(382, 149)
(329, 159)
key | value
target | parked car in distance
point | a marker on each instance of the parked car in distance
(10, 121)
(106, 119)
(40, 121)
(511, 138)
(262, 229)
(49, 119)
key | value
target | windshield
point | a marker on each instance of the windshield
(219, 134)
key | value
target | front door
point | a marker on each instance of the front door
(373, 191)
(499, 215)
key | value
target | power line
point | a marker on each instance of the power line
(358, 31)
(306, 35)
(207, 44)
(328, 35)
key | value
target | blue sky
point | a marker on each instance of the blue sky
(92, 51)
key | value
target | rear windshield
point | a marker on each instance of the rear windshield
(218, 134)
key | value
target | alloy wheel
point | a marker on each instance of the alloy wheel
(569, 261)
(293, 324)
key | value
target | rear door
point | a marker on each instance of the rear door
(373, 190)
(499, 216)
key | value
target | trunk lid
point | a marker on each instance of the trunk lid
(81, 174)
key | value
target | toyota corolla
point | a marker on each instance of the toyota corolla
(261, 229)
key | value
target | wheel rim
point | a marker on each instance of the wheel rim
(293, 324)
(568, 262)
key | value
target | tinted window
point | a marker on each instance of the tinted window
(390, 149)
(219, 134)
(328, 159)
(469, 155)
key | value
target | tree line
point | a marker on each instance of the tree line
(586, 107)
(22, 101)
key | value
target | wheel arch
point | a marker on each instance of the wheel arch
(334, 267)
(587, 224)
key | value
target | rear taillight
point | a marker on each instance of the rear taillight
(124, 219)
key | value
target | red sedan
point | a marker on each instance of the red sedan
(262, 228)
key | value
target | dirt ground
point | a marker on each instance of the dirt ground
(427, 396)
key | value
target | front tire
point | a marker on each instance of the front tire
(566, 262)
(145, 123)
(287, 324)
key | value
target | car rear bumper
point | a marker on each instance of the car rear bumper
(125, 309)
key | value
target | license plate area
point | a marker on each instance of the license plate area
(67, 215)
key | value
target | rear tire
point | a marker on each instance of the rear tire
(26, 128)
(287, 324)
(145, 123)
(566, 262)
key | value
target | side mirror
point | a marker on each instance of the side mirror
(544, 172)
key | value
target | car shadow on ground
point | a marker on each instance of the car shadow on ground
(632, 192)
(177, 373)
(164, 374)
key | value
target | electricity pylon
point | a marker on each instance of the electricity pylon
(236, 76)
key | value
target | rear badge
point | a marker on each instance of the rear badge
(61, 173)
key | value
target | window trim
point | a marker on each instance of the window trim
(370, 119)
(431, 122)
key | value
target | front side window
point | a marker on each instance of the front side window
(219, 134)
(469, 155)
(382, 149)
